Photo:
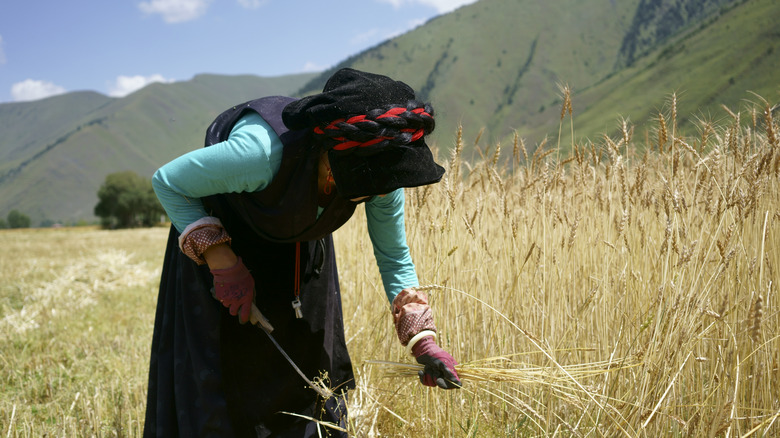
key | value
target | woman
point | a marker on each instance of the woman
(252, 218)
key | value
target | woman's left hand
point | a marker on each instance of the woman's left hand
(439, 365)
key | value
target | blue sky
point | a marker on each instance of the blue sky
(117, 46)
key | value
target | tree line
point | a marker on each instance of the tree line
(15, 219)
(125, 200)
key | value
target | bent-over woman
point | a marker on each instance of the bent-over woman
(252, 216)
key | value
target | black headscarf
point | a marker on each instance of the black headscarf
(367, 159)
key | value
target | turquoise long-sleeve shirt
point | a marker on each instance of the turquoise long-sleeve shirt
(247, 162)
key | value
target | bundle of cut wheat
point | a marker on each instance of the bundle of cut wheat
(505, 369)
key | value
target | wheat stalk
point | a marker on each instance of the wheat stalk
(504, 369)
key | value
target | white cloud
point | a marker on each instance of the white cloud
(2, 52)
(310, 67)
(252, 4)
(442, 6)
(175, 11)
(31, 89)
(414, 23)
(125, 85)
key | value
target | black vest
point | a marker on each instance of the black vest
(286, 210)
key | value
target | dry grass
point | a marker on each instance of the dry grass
(662, 254)
(76, 312)
(616, 287)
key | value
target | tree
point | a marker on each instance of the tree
(127, 200)
(16, 219)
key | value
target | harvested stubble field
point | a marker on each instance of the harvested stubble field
(596, 291)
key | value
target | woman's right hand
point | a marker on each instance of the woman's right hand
(234, 286)
(220, 256)
(439, 365)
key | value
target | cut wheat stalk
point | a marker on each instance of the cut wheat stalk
(327, 424)
(506, 370)
(521, 377)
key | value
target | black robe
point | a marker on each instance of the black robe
(210, 375)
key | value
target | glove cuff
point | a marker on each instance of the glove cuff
(411, 314)
(236, 272)
(200, 235)
(418, 338)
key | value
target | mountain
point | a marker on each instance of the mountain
(55, 153)
(497, 64)
(494, 65)
(720, 61)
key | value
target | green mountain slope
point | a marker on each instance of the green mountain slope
(722, 62)
(28, 128)
(58, 151)
(497, 64)
(655, 22)
(493, 64)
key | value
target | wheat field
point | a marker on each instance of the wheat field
(614, 287)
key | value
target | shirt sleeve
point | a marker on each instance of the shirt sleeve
(386, 228)
(246, 162)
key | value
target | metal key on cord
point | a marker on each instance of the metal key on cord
(296, 304)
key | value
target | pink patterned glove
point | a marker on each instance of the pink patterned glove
(439, 365)
(411, 314)
(234, 287)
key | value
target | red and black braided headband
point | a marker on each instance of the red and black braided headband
(379, 128)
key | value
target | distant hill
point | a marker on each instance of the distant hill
(55, 152)
(494, 64)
